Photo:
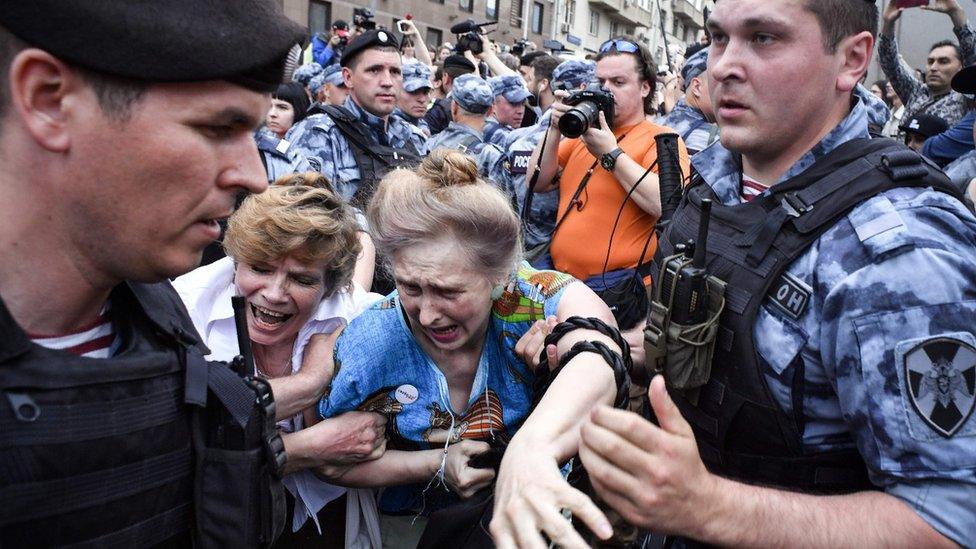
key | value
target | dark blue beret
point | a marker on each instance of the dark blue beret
(250, 43)
(370, 39)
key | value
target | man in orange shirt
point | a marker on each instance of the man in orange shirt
(603, 231)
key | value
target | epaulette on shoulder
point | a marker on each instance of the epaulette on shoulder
(880, 227)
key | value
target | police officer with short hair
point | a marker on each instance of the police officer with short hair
(335, 89)
(693, 117)
(327, 88)
(508, 109)
(412, 103)
(120, 159)
(355, 144)
(838, 409)
(471, 105)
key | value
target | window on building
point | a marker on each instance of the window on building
(435, 38)
(537, 12)
(319, 16)
(491, 10)
(594, 22)
(466, 5)
(614, 29)
(515, 13)
(570, 15)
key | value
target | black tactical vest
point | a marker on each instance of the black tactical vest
(373, 159)
(742, 432)
(107, 452)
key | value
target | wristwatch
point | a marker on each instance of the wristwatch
(609, 160)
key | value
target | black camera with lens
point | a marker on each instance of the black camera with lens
(363, 18)
(469, 42)
(587, 105)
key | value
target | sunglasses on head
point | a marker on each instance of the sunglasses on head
(619, 44)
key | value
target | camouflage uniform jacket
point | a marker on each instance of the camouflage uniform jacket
(327, 150)
(892, 277)
(278, 155)
(495, 131)
(915, 94)
(542, 217)
(419, 123)
(690, 124)
(489, 158)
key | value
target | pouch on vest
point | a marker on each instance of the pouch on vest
(239, 498)
(685, 305)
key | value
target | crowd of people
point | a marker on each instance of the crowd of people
(411, 295)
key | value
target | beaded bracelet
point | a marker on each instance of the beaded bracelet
(620, 363)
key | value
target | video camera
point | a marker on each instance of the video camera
(363, 18)
(469, 36)
(587, 104)
(518, 49)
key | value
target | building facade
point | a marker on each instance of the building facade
(514, 19)
(580, 25)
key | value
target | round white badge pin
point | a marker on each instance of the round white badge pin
(406, 394)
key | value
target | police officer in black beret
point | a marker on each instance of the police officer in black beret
(355, 144)
(125, 135)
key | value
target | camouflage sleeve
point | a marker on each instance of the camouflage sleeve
(492, 162)
(301, 164)
(897, 340)
(315, 145)
(420, 142)
(499, 137)
(903, 81)
(967, 43)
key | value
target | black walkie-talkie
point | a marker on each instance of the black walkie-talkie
(691, 291)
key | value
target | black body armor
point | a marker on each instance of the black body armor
(122, 452)
(374, 160)
(742, 432)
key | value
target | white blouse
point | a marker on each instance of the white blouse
(206, 292)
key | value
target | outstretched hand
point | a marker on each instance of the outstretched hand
(652, 475)
(891, 13)
(530, 496)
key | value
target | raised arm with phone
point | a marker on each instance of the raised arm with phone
(945, 58)
(408, 29)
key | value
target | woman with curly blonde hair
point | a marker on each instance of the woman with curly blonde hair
(291, 252)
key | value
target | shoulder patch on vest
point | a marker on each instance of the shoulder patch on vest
(790, 295)
(941, 377)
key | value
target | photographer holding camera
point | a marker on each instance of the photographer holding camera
(328, 51)
(600, 200)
